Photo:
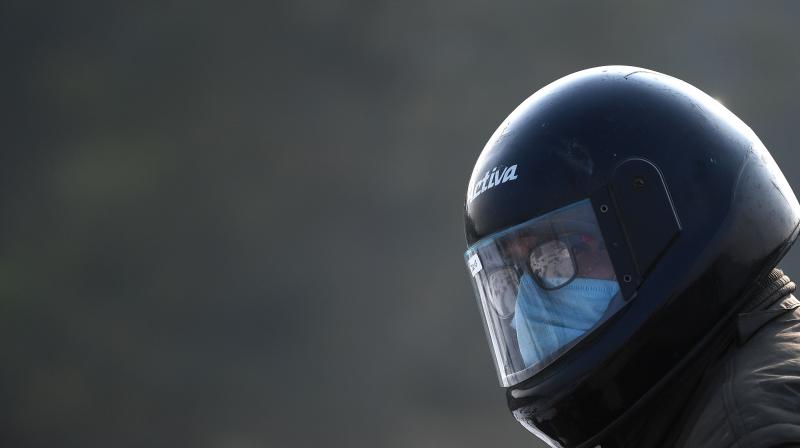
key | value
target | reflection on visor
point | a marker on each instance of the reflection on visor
(542, 285)
(552, 264)
(503, 288)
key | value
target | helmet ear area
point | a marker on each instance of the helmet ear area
(645, 210)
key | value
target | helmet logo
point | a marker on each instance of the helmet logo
(491, 179)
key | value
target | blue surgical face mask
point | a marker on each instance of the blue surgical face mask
(548, 320)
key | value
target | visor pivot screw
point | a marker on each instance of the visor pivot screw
(638, 183)
(627, 278)
(603, 208)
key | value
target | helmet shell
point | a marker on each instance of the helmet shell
(587, 135)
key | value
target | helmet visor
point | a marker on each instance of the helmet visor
(542, 286)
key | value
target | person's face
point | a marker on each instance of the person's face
(589, 256)
(553, 262)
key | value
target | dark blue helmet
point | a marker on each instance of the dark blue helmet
(615, 220)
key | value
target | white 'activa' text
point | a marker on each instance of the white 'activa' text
(492, 178)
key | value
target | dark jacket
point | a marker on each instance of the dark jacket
(750, 397)
(743, 394)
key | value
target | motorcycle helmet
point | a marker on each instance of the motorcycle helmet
(614, 221)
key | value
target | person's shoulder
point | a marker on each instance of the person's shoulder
(753, 397)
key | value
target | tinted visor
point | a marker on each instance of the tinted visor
(542, 286)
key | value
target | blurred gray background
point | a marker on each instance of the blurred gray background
(240, 224)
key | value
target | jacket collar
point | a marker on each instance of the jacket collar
(773, 299)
